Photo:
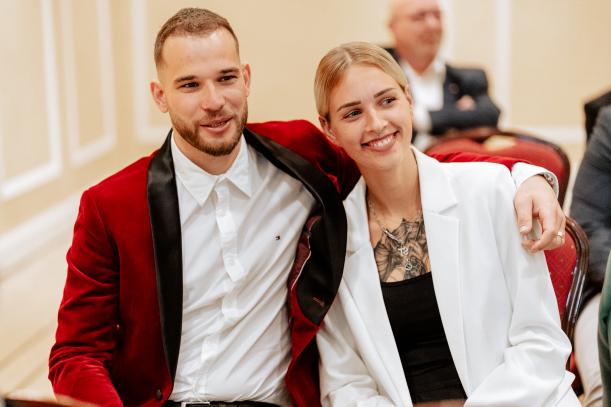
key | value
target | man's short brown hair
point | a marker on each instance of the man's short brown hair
(191, 21)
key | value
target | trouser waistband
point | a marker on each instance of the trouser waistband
(171, 403)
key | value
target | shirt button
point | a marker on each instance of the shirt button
(158, 395)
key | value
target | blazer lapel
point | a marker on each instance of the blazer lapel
(442, 227)
(373, 330)
(316, 291)
(167, 238)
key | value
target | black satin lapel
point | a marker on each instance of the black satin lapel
(329, 244)
(165, 228)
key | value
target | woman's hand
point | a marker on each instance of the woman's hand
(535, 199)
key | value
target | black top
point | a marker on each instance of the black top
(425, 355)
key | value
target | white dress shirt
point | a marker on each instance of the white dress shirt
(239, 235)
(427, 92)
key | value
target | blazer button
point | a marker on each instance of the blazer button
(158, 395)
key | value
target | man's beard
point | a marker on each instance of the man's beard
(191, 136)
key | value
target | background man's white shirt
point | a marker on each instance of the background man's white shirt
(427, 93)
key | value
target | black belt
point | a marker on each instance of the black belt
(171, 403)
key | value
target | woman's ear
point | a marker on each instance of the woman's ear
(326, 128)
(408, 95)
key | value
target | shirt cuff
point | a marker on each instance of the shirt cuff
(422, 119)
(522, 171)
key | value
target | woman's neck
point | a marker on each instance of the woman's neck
(395, 193)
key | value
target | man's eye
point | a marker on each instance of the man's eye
(189, 85)
(227, 78)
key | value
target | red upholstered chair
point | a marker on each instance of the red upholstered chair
(568, 266)
(492, 141)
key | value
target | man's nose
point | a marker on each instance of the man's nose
(432, 20)
(212, 99)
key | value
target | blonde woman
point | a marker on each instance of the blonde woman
(438, 301)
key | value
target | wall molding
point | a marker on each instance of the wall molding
(141, 53)
(42, 174)
(31, 236)
(503, 59)
(82, 154)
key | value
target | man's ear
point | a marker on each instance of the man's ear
(326, 128)
(246, 75)
(159, 96)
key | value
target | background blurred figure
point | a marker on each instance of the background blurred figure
(445, 97)
(592, 108)
(591, 207)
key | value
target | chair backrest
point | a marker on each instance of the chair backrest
(491, 141)
(568, 266)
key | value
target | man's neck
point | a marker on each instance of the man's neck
(418, 63)
(214, 165)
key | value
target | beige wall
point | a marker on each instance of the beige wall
(75, 105)
(544, 58)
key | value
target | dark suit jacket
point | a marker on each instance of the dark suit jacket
(591, 109)
(591, 205)
(458, 83)
(119, 322)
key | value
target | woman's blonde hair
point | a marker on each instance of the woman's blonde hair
(336, 62)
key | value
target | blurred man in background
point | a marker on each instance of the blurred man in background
(591, 208)
(445, 97)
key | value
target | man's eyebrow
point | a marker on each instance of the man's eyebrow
(187, 78)
(350, 104)
(229, 70)
(184, 78)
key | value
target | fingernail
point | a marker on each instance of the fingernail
(523, 229)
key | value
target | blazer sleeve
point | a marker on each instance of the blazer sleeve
(344, 378)
(519, 173)
(591, 205)
(532, 370)
(79, 363)
(474, 83)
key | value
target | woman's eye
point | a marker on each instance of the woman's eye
(388, 100)
(351, 114)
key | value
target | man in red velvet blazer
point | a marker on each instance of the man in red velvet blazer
(126, 322)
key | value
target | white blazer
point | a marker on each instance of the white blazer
(496, 301)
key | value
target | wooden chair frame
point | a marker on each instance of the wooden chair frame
(575, 297)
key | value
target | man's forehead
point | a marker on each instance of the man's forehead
(416, 6)
(187, 45)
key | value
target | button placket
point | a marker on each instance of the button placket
(228, 232)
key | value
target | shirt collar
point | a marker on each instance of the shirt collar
(200, 183)
(437, 69)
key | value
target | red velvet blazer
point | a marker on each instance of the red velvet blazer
(119, 322)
